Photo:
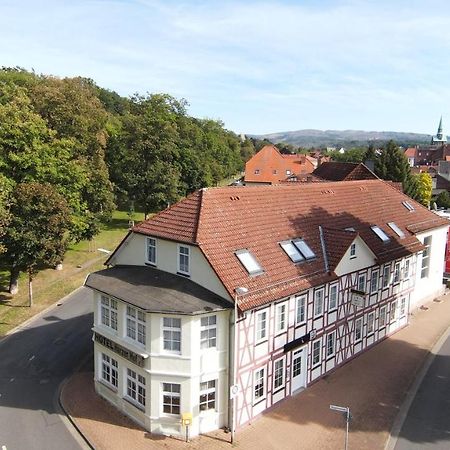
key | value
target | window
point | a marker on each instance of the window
(108, 312)
(249, 262)
(407, 269)
(183, 260)
(258, 384)
(374, 281)
(171, 398)
(318, 302)
(300, 317)
(261, 324)
(109, 370)
(278, 373)
(380, 233)
(207, 395)
(332, 302)
(208, 332)
(393, 226)
(358, 329)
(136, 324)
(331, 343)
(316, 352)
(280, 317)
(135, 387)
(256, 171)
(292, 251)
(408, 206)
(393, 311)
(402, 306)
(304, 248)
(386, 275)
(426, 258)
(362, 283)
(396, 277)
(353, 250)
(172, 334)
(288, 172)
(151, 250)
(370, 322)
(382, 317)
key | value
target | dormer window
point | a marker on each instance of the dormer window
(380, 233)
(408, 206)
(249, 262)
(396, 230)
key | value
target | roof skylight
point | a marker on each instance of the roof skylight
(304, 249)
(292, 251)
(396, 229)
(380, 233)
(408, 206)
(249, 262)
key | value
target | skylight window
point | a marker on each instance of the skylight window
(292, 251)
(408, 206)
(396, 230)
(249, 262)
(380, 233)
(304, 249)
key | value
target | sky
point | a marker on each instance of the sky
(259, 66)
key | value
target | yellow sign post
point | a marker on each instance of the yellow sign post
(186, 420)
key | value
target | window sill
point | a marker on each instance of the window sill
(108, 385)
(278, 389)
(260, 400)
(330, 357)
(186, 275)
(150, 264)
(134, 403)
(261, 342)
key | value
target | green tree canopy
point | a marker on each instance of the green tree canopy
(424, 188)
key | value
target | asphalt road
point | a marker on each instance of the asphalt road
(33, 363)
(427, 425)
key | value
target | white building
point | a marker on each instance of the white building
(320, 272)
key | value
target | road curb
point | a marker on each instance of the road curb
(406, 405)
(37, 316)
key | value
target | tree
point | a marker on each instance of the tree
(37, 233)
(393, 165)
(443, 200)
(355, 155)
(424, 188)
(5, 187)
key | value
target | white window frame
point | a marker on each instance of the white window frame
(362, 285)
(151, 244)
(300, 309)
(382, 315)
(394, 227)
(168, 395)
(208, 396)
(184, 253)
(426, 254)
(353, 250)
(331, 349)
(386, 276)
(280, 317)
(333, 297)
(208, 332)
(170, 332)
(249, 262)
(396, 276)
(316, 352)
(135, 388)
(407, 269)
(108, 312)
(109, 370)
(393, 311)
(318, 302)
(259, 381)
(261, 332)
(402, 306)
(370, 322)
(358, 329)
(292, 251)
(278, 374)
(374, 280)
(380, 233)
(136, 325)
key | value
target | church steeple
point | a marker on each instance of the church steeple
(439, 131)
(440, 138)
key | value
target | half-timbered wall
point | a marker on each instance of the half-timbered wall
(342, 331)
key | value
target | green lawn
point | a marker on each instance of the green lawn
(51, 285)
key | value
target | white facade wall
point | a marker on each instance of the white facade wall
(188, 369)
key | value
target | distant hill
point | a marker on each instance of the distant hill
(344, 138)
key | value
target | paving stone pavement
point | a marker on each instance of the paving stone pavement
(373, 385)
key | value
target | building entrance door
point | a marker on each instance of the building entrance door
(298, 369)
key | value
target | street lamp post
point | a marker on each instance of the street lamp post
(347, 417)
(234, 390)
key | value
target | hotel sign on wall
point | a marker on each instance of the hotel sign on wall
(357, 298)
(122, 351)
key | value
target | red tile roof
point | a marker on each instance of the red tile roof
(223, 220)
(344, 171)
(410, 152)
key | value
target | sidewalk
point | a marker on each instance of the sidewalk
(374, 386)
